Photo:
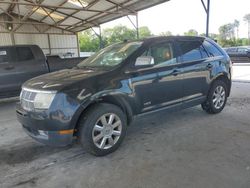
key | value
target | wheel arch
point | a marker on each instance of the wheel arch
(223, 77)
(118, 100)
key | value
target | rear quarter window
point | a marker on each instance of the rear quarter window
(24, 54)
(212, 49)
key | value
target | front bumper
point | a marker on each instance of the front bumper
(36, 126)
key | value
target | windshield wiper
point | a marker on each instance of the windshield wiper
(86, 67)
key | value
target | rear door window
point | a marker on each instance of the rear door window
(24, 54)
(192, 51)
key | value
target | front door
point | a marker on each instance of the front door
(160, 85)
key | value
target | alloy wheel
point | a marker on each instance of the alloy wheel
(219, 97)
(107, 131)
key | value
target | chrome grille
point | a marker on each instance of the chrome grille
(27, 99)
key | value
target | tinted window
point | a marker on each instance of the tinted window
(163, 54)
(242, 50)
(211, 49)
(111, 56)
(192, 50)
(231, 50)
(24, 54)
(4, 55)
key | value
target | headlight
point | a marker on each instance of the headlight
(43, 100)
(36, 99)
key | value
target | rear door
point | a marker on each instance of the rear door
(195, 69)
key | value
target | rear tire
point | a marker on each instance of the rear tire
(216, 99)
(102, 129)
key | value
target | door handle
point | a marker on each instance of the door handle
(9, 68)
(209, 66)
(175, 72)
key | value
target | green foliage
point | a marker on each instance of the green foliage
(228, 35)
(144, 32)
(118, 34)
(227, 31)
(88, 41)
(191, 32)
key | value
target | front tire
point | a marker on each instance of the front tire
(216, 99)
(102, 129)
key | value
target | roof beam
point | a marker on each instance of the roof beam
(35, 23)
(30, 23)
(54, 10)
(48, 14)
(28, 14)
(33, 10)
(69, 15)
(88, 20)
(121, 6)
(6, 12)
(31, 3)
(12, 6)
(87, 7)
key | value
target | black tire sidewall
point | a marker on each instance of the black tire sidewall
(88, 122)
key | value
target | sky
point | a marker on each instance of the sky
(178, 16)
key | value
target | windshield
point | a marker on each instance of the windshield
(110, 56)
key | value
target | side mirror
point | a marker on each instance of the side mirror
(144, 61)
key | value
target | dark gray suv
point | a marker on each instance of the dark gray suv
(96, 101)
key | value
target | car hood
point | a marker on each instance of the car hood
(60, 79)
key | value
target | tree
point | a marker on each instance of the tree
(247, 19)
(118, 34)
(236, 25)
(191, 32)
(144, 32)
(227, 31)
(88, 41)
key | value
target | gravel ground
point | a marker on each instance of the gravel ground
(188, 148)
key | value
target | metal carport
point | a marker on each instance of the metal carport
(53, 25)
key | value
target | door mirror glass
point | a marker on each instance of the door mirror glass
(144, 61)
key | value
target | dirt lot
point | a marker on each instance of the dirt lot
(188, 148)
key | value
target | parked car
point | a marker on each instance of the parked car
(96, 101)
(239, 54)
(23, 62)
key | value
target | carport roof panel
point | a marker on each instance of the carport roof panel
(73, 15)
